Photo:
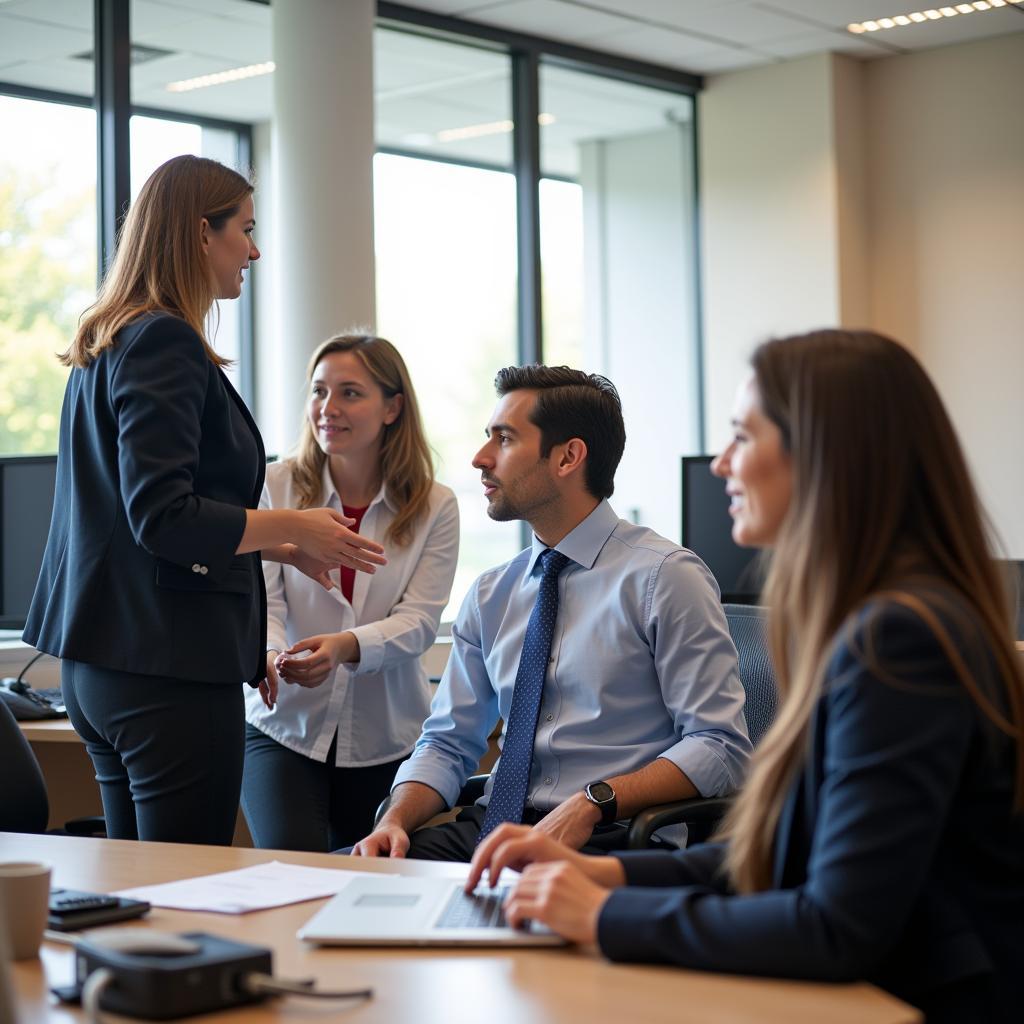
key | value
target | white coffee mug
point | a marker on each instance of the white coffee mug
(25, 897)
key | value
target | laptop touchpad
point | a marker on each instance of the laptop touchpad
(386, 899)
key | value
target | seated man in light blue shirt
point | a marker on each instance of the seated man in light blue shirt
(609, 658)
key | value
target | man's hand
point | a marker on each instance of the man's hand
(268, 687)
(384, 841)
(560, 896)
(518, 846)
(327, 652)
(571, 822)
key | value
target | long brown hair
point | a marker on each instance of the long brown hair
(405, 463)
(160, 264)
(882, 501)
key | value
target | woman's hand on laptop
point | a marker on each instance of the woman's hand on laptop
(560, 896)
(517, 846)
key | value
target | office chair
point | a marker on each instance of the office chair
(24, 805)
(748, 628)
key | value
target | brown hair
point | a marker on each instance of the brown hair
(571, 403)
(882, 503)
(405, 463)
(160, 264)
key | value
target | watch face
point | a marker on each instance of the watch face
(600, 792)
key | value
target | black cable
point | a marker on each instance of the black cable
(21, 674)
(265, 985)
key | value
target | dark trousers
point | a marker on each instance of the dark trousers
(167, 752)
(456, 840)
(292, 802)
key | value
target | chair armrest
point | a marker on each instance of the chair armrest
(472, 790)
(703, 812)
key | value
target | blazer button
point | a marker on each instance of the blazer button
(203, 569)
(197, 567)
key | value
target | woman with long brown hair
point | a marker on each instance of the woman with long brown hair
(879, 835)
(150, 589)
(321, 754)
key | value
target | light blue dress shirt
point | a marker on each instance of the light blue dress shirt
(642, 666)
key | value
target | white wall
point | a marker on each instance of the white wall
(640, 314)
(888, 194)
(946, 227)
(770, 261)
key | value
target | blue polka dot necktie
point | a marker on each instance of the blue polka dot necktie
(508, 794)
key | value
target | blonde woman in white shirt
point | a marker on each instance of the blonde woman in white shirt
(345, 693)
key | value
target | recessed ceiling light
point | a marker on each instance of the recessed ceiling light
(917, 17)
(221, 77)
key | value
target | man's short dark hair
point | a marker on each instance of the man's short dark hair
(571, 403)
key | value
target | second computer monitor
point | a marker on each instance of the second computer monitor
(707, 531)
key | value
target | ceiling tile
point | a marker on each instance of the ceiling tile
(22, 39)
(725, 23)
(237, 43)
(670, 48)
(551, 18)
(63, 75)
(803, 43)
(66, 13)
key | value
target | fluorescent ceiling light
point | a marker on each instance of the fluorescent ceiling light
(477, 131)
(900, 20)
(220, 77)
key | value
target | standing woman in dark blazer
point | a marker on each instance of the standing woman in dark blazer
(151, 589)
(880, 833)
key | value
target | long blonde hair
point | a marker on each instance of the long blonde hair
(882, 507)
(160, 264)
(406, 467)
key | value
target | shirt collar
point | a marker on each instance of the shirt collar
(584, 542)
(329, 491)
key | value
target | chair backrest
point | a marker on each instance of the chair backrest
(748, 628)
(23, 803)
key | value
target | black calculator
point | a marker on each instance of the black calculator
(71, 909)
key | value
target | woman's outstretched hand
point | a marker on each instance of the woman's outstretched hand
(324, 535)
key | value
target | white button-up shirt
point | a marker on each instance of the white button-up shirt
(377, 706)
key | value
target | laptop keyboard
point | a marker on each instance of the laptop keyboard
(479, 910)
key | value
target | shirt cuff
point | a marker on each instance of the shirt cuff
(426, 769)
(699, 759)
(371, 648)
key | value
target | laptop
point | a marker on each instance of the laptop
(395, 910)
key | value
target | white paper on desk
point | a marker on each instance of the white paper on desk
(237, 892)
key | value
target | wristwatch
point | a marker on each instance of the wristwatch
(602, 796)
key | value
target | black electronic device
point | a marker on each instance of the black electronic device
(27, 704)
(707, 532)
(26, 503)
(163, 980)
(72, 910)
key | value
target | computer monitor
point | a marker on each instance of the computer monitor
(707, 531)
(26, 502)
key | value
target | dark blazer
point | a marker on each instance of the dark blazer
(897, 858)
(158, 460)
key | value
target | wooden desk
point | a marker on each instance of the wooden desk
(547, 986)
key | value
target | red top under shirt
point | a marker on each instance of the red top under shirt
(348, 576)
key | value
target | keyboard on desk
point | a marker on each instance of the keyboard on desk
(478, 910)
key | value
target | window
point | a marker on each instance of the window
(445, 221)
(47, 211)
(618, 268)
